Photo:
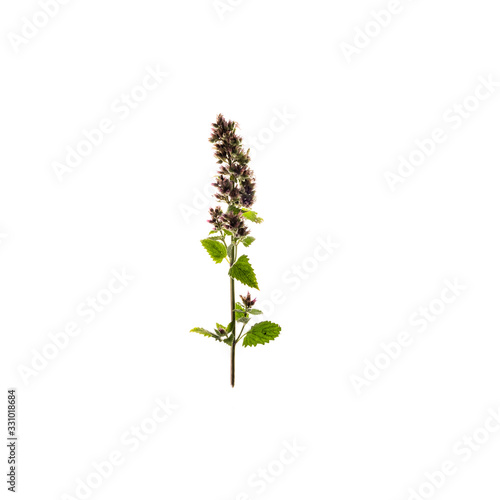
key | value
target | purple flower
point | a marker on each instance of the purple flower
(216, 218)
(248, 302)
(235, 182)
(235, 222)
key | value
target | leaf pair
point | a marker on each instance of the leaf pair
(260, 333)
(240, 311)
(227, 339)
(241, 270)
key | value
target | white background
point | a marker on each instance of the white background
(322, 175)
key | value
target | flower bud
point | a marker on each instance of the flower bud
(248, 302)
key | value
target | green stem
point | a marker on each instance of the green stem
(233, 314)
(241, 332)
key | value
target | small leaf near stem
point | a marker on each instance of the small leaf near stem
(203, 331)
(248, 240)
(215, 249)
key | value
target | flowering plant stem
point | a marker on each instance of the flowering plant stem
(233, 316)
(235, 183)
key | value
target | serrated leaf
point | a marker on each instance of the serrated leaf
(229, 328)
(227, 233)
(203, 332)
(215, 249)
(242, 271)
(252, 216)
(248, 241)
(244, 320)
(255, 311)
(219, 238)
(261, 333)
(217, 337)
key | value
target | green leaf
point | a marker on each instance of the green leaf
(261, 333)
(252, 216)
(203, 332)
(229, 340)
(244, 320)
(217, 238)
(227, 233)
(248, 241)
(239, 311)
(220, 326)
(255, 311)
(217, 336)
(242, 271)
(215, 249)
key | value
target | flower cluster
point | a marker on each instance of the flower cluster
(248, 302)
(216, 218)
(235, 181)
(235, 223)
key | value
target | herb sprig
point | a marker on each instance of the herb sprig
(235, 183)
